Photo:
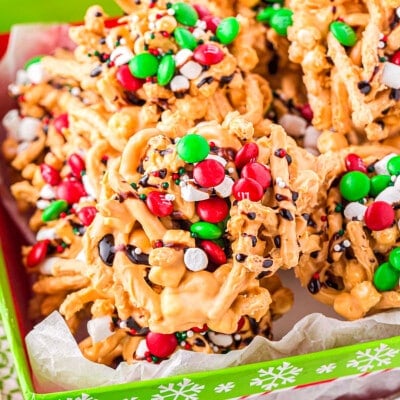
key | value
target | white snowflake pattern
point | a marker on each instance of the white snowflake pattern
(372, 358)
(276, 376)
(83, 396)
(224, 387)
(132, 398)
(326, 368)
(184, 390)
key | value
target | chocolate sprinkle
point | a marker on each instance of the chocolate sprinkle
(251, 215)
(286, 214)
(240, 257)
(364, 87)
(206, 80)
(96, 71)
(314, 286)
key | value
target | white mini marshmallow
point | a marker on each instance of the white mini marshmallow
(221, 339)
(179, 83)
(191, 193)
(46, 267)
(11, 122)
(47, 192)
(121, 55)
(311, 136)
(191, 70)
(381, 165)
(389, 195)
(195, 259)
(224, 189)
(42, 204)
(81, 256)
(99, 328)
(294, 125)
(220, 159)
(141, 349)
(89, 189)
(46, 233)
(354, 210)
(36, 73)
(21, 77)
(198, 33)
(182, 56)
(391, 75)
(28, 129)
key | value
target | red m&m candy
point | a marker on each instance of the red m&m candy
(70, 190)
(246, 188)
(395, 58)
(214, 253)
(212, 22)
(127, 80)
(379, 215)
(248, 153)
(208, 54)
(201, 10)
(86, 215)
(77, 164)
(258, 172)
(354, 162)
(49, 174)
(160, 344)
(61, 122)
(37, 253)
(209, 173)
(158, 204)
(212, 210)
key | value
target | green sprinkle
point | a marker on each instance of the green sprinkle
(181, 171)
(142, 196)
(134, 185)
(177, 182)
(165, 185)
(339, 208)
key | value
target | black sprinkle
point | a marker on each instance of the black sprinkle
(267, 263)
(334, 282)
(96, 71)
(277, 241)
(286, 214)
(273, 65)
(288, 159)
(253, 241)
(314, 254)
(162, 173)
(263, 274)
(206, 80)
(314, 286)
(133, 99)
(380, 123)
(240, 257)
(251, 215)
(98, 14)
(295, 196)
(226, 80)
(364, 87)
(280, 197)
(199, 342)
(102, 40)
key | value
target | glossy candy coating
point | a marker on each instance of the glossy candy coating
(228, 30)
(208, 54)
(343, 33)
(379, 216)
(258, 172)
(386, 277)
(212, 210)
(206, 230)
(192, 148)
(143, 65)
(158, 204)
(246, 188)
(127, 80)
(354, 185)
(208, 173)
(248, 153)
(160, 344)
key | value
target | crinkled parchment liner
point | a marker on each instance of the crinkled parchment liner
(57, 363)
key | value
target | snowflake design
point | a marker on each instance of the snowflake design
(83, 396)
(371, 358)
(224, 387)
(276, 376)
(132, 398)
(184, 390)
(326, 368)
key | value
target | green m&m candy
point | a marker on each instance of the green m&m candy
(354, 185)
(192, 148)
(166, 70)
(227, 30)
(143, 65)
(343, 33)
(185, 14)
(379, 183)
(265, 15)
(393, 166)
(386, 277)
(206, 230)
(53, 210)
(281, 20)
(394, 258)
(185, 39)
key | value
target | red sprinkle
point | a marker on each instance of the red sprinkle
(208, 54)
(215, 254)
(240, 324)
(306, 112)
(86, 215)
(197, 329)
(70, 191)
(127, 80)
(37, 253)
(209, 173)
(77, 164)
(158, 244)
(214, 210)
(59, 248)
(201, 10)
(395, 58)
(160, 344)
(246, 188)
(324, 218)
(379, 216)
(248, 153)
(49, 174)
(258, 172)
(212, 22)
(61, 122)
(354, 162)
(158, 204)
(165, 34)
